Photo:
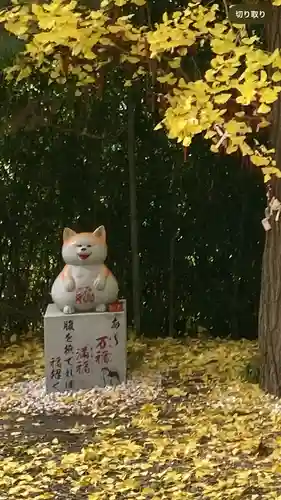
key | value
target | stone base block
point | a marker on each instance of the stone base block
(85, 350)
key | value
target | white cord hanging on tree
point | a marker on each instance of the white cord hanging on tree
(223, 135)
(274, 206)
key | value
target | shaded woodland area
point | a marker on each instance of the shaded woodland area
(78, 161)
(64, 162)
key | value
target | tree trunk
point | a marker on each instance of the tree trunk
(171, 326)
(173, 232)
(133, 213)
(270, 309)
(270, 298)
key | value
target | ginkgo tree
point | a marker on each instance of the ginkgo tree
(228, 104)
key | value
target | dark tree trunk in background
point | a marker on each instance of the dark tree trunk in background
(133, 213)
(270, 298)
(173, 231)
(171, 326)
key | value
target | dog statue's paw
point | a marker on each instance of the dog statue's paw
(101, 308)
(70, 285)
(68, 310)
(99, 283)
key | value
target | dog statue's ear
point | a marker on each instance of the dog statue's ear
(67, 234)
(100, 233)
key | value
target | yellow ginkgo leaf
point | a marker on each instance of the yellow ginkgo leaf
(186, 142)
(223, 46)
(158, 126)
(263, 108)
(175, 391)
(269, 95)
(263, 124)
(222, 98)
(140, 3)
(276, 77)
(250, 41)
(182, 51)
(169, 78)
(120, 3)
(175, 63)
(245, 149)
(259, 160)
(24, 73)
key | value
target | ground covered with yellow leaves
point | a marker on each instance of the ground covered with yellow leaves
(188, 426)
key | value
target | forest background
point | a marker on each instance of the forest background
(84, 160)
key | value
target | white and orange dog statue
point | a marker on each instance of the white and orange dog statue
(85, 283)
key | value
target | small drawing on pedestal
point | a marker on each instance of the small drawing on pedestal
(110, 377)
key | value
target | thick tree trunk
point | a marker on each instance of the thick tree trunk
(270, 298)
(270, 309)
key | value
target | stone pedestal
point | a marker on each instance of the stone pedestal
(85, 350)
